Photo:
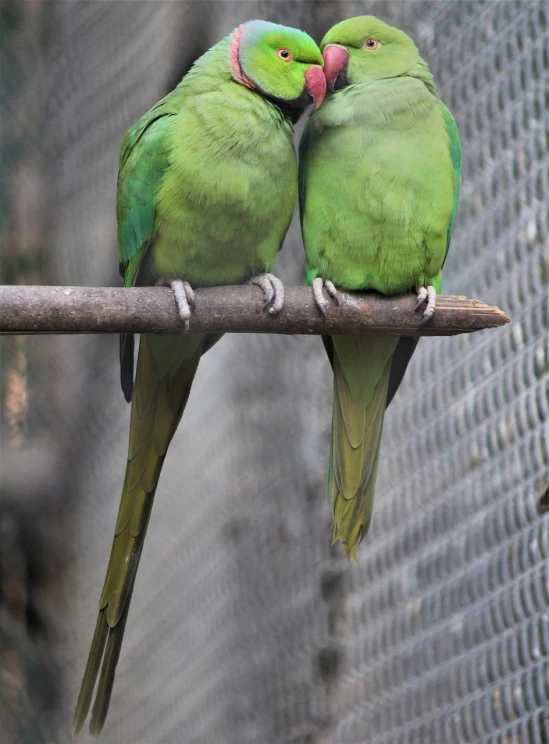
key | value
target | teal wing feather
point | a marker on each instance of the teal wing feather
(143, 161)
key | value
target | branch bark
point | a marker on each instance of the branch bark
(238, 309)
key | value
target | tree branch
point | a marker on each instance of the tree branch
(236, 309)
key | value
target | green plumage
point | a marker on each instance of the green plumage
(206, 191)
(380, 171)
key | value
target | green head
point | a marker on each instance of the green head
(284, 64)
(364, 48)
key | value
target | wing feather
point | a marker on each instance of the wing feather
(143, 160)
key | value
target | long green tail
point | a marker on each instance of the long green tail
(165, 371)
(361, 377)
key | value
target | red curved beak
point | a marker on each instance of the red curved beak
(335, 61)
(315, 83)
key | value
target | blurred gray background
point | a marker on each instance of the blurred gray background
(246, 626)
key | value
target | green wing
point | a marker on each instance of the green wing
(143, 161)
(455, 155)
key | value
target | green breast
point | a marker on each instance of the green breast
(379, 195)
(227, 198)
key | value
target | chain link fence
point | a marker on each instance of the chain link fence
(246, 626)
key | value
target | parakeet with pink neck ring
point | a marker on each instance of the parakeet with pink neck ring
(206, 190)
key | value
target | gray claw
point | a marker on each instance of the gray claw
(421, 297)
(318, 285)
(189, 291)
(428, 297)
(184, 298)
(332, 291)
(273, 292)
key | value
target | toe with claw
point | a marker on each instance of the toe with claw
(426, 296)
(184, 298)
(273, 292)
(318, 286)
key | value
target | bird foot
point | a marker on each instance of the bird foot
(273, 292)
(184, 298)
(320, 302)
(426, 296)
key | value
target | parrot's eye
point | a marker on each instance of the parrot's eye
(371, 44)
(284, 54)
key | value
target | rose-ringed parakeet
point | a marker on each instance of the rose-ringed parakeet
(206, 190)
(380, 173)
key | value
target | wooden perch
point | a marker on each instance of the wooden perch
(238, 309)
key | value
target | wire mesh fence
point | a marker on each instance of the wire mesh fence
(245, 625)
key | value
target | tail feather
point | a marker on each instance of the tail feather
(361, 377)
(91, 672)
(108, 668)
(165, 371)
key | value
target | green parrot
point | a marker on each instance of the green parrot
(207, 186)
(379, 180)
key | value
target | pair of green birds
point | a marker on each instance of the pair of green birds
(207, 186)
